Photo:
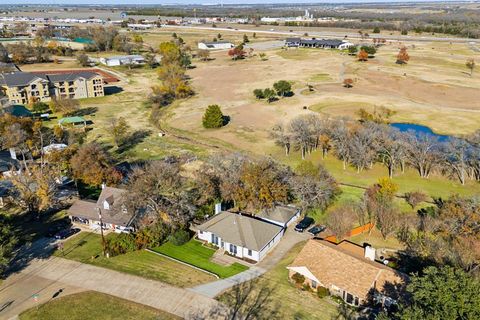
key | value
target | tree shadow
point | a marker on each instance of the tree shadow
(83, 112)
(289, 94)
(226, 120)
(134, 139)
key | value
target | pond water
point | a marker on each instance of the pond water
(419, 129)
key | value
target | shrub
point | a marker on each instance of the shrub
(83, 60)
(371, 50)
(322, 292)
(414, 198)
(152, 236)
(376, 30)
(179, 237)
(352, 50)
(298, 278)
(306, 287)
(120, 244)
(283, 88)
(269, 94)
(213, 117)
(258, 93)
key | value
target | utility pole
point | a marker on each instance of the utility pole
(101, 230)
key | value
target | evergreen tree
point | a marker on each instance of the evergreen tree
(213, 117)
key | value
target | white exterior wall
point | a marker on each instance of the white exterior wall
(241, 251)
(216, 46)
(294, 218)
(345, 45)
(271, 245)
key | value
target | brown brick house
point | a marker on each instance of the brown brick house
(347, 271)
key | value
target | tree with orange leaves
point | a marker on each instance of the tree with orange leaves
(402, 56)
(362, 55)
(348, 83)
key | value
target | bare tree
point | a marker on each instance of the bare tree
(281, 137)
(160, 189)
(314, 190)
(392, 149)
(364, 146)
(301, 134)
(422, 153)
(455, 158)
(341, 137)
(340, 221)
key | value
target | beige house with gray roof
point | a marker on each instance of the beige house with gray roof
(240, 235)
(115, 215)
(24, 87)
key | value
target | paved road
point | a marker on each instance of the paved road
(331, 34)
(291, 238)
(45, 277)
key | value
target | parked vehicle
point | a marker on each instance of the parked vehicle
(64, 234)
(316, 229)
(56, 227)
(304, 224)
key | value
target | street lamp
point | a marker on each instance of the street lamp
(101, 230)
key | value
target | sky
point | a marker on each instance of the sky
(149, 2)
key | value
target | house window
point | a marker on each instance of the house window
(314, 284)
(214, 239)
(249, 252)
(233, 248)
(349, 298)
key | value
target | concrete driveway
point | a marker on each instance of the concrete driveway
(213, 289)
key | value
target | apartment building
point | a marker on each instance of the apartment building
(23, 87)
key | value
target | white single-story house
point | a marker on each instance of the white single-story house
(110, 204)
(215, 45)
(318, 43)
(280, 215)
(139, 26)
(123, 60)
(240, 235)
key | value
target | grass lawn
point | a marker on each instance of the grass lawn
(376, 240)
(86, 245)
(93, 305)
(293, 303)
(193, 252)
(435, 186)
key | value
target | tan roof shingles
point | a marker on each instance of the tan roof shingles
(241, 230)
(332, 265)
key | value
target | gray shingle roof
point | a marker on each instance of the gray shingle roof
(282, 214)
(241, 230)
(17, 79)
(71, 76)
(116, 215)
(323, 42)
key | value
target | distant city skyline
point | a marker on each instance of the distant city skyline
(203, 2)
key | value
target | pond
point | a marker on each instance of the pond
(419, 129)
